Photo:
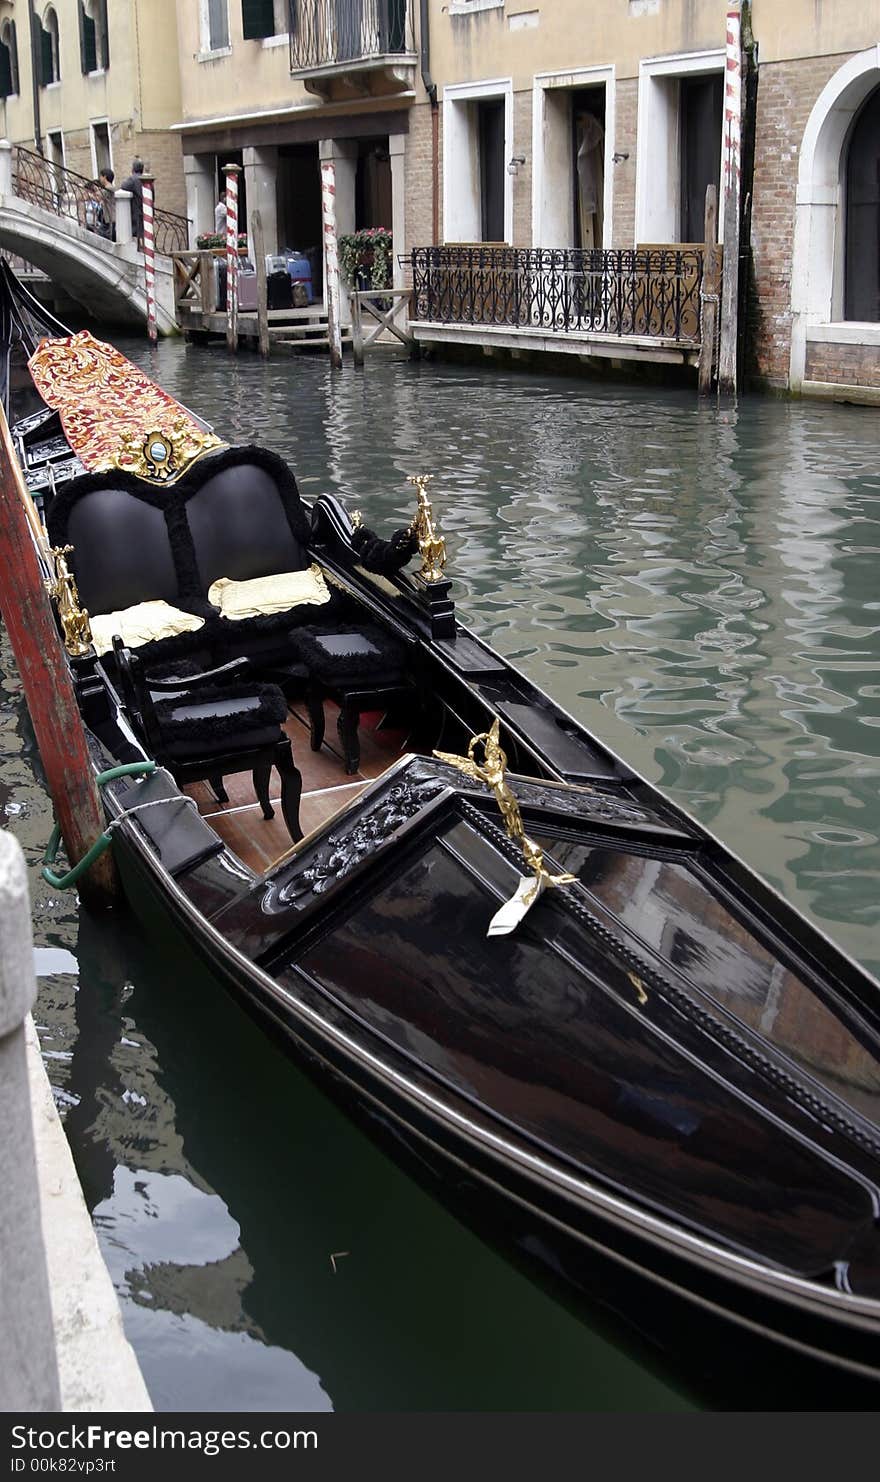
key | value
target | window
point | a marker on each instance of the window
(50, 70)
(257, 19)
(862, 264)
(8, 60)
(700, 105)
(93, 48)
(490, 129)
(218, 25)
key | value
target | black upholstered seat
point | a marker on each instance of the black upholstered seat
(203, 727)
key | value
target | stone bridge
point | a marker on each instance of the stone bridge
(43, 214)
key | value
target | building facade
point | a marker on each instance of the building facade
(561, 125)
(91, 84)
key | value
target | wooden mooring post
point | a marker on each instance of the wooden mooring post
(709, 294)
(259, 242)
(48, 686)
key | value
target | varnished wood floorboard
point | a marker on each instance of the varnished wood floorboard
(259, 842)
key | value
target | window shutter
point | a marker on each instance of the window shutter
(105, 36)
(46, 69)
(88, 48)
(257, 19)
(13, 55)
(5, 71)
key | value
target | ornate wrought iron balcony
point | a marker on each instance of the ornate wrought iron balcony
(341, 46)
(650, 292)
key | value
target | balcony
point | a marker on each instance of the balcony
(345, 49)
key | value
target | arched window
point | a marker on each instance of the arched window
(862, 268)
(50, 69)
(8, 60)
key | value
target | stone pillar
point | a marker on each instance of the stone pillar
(29, 1371)
(343, 153)
(397, 151)
(260, 187)
(201, 193)
(123, 216)
(5, 168)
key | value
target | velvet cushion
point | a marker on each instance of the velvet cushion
(350, 656)
(215, 719)
(240, 528)
(268, 594)
(121, 550)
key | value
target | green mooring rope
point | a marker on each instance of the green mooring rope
(103, 841)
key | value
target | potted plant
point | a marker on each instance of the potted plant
(216, 241)
(365, 257)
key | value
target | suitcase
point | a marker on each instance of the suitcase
(279, 291)
(247, 292)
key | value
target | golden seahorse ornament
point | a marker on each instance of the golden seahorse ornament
(491, 773)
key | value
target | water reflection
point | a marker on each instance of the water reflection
(699, 589)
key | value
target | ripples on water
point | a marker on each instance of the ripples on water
(699, 588)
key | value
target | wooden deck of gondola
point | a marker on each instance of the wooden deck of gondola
(260, 842)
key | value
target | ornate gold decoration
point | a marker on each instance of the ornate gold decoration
(357, 519)
(113, 415)
(492, 774)
(432, 546)
(74, 619)
(164, 454)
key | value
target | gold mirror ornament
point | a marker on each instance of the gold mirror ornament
(492, 773)
(432, 546)
(74, 619)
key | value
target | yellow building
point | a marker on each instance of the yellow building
(105, 89)
(276, 100)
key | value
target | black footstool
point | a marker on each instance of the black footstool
(361, 668)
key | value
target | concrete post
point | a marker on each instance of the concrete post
(5, 168)
(124, 232)
(201, 194)
(397, 151)
(260, 186)
(29, 1371)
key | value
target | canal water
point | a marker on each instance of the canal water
(699, 587)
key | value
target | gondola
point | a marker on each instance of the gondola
(565, 1004)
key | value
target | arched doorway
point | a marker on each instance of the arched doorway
(862, 266)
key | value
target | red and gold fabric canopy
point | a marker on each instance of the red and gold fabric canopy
(113, 415)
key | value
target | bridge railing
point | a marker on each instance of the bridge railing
(55, 188)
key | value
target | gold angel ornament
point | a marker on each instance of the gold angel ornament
(491, 772)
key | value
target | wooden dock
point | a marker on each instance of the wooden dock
(289, 329)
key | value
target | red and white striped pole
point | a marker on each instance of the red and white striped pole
(727, 347)
(232, 173)
(331, 260)
(150, 256)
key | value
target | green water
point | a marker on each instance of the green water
(699, 588)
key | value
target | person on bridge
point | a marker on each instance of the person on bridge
(135, 184)
(106, 224)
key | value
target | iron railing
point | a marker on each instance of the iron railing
(324, 33)
(64, 192)
(644, 291)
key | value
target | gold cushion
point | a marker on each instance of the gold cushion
(243, 599)
(141, 624)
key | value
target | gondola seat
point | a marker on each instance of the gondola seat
(202, 726)
(360, 668)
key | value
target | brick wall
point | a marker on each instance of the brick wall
(522, 180)
(418, 180)
(787, 92)
(162, 155)
(849, 365)
(625, 128)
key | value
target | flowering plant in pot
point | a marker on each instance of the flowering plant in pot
(365, 257)
(218, 239)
